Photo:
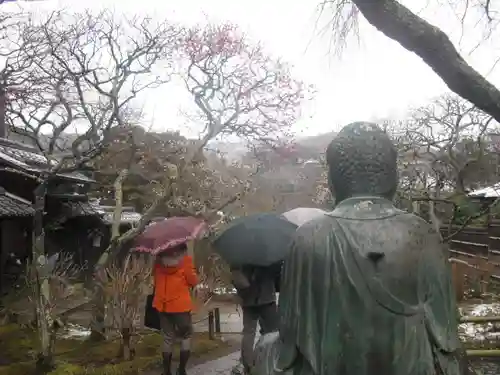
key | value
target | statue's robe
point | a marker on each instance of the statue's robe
(366, 290)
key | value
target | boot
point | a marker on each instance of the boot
(183, 359)
(167, 361)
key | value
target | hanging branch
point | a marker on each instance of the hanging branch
(427, 41)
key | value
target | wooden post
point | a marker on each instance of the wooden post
(458, 277)
(217, 320)
(3, 258)
(490, 268)
(211, 334)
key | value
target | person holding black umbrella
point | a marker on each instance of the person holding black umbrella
(254, 246)
(256, 287)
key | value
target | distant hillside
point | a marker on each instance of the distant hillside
(306, 147)
(313, 146)
(229, 150)
(319, 142)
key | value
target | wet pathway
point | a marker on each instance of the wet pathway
(231, 326)
(222, 365)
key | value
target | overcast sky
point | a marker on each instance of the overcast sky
(374, 79)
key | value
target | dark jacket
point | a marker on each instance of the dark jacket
(256, 285)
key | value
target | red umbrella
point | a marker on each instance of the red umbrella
(163, 235)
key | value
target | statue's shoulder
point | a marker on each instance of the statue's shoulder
(311, 236)
(423, 236)
(418, 224)
(317, 223)
(315, 229)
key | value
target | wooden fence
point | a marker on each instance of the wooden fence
(475, 257)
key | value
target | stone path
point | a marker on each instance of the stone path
(231, 322)
(222, 366)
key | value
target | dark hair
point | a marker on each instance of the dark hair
(362, 160)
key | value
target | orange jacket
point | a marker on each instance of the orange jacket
(172, 286)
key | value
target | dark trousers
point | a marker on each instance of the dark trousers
(176, 325)
(267, 317)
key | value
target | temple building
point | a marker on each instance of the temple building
(73, 223)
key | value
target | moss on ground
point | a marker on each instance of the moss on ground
(83, 357)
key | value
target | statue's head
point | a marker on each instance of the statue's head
(362, 160)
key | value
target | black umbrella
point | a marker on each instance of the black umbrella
(259, 240)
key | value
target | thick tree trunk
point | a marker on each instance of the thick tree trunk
(98, 327)
(41, 283)
(435, 48)
(3, 105)
(126, 351)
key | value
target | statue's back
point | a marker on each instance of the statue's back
(389, 248)
(360, 293)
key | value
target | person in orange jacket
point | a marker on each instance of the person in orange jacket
(174, 276)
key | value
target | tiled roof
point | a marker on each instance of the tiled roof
(13, 206)
(32, 160)
(487, 192)
(78, 209)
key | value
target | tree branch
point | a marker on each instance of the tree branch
(435, 48)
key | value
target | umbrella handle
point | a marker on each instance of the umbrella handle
(190, 248)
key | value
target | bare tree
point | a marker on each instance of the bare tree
(80, 73)
(424, 39)
(445, 151)
(60, 274)
(237, 88)
(13, 43)
(124, 289)
(238, 91)
(91, 68)
(454, 133)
